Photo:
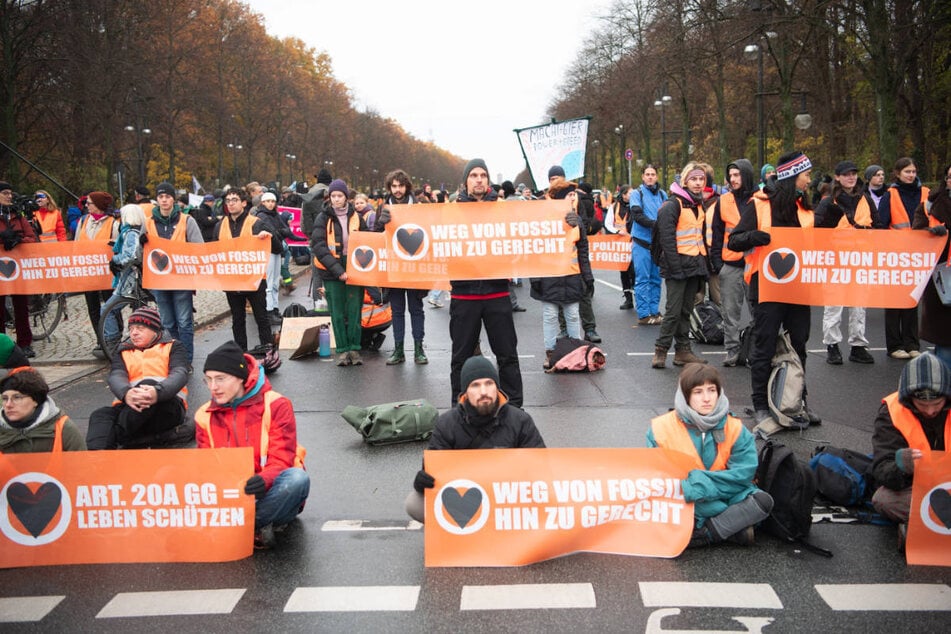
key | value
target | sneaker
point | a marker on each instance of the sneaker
(343, 359)
(646, 321)
(435, 303)
(592, 336)
(860, 354)
(355, 358)
(28, 352)
(260, 350)
(275, 317)
(833, 355)
(264, 538)
(913, 354)
(732, 359)
(517, 309)
(902, 537)
(656, 320)
(899, 354)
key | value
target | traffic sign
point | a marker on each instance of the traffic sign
(629, 154)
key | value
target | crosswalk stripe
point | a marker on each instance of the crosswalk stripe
(910, 597)
(27, 609)
(700, 594)
(353, 599)
(171, 603)
(334, 526)
(540, 596)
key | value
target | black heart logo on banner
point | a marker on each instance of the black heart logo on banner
(940, 502)
(159, 261)
(461, 508)
(781, 264)
(34, 510)
(410, 239)
(364, 256)
(8, 268)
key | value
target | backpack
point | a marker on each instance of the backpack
(706, 323)
(390, 423)
(295, 310)
(575, 355)
(792, 485)
(842, 475)
(787, 381)
(746, 344)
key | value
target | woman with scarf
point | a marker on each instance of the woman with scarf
(30, 421)
(727, 505)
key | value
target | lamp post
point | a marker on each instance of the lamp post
(661, 104)
(595, 144)
(290, 161)
(755, 51)
(803, 120)
(139, 132)
(234, 160)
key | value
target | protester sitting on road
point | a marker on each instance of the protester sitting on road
(245, 412)
(911, 423)
(726, 502)
(482, 419)
(149, 377)
(30, 421)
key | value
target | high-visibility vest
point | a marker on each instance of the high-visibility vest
(671, 433)
(48, 222)
(620, 211)
(690, 231)
(908, 424)
(178, 233)
(353, 224)
(730, 215)
(103, 231)
(203, 420)
(225, 233)
(58, 435)
(900, 218)
(862, 216)
(764, 222)
(150, 363)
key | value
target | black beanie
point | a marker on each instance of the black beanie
(477, 367)
(471, 165)
(228, 358)
(26, 381)
(556, 170)
(324, 177)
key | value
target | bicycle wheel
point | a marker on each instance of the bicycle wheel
(112, 311)
(45, 313)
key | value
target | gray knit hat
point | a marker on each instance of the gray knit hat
(477, 367)
(871, 170)
(471, 165)
(926, 378)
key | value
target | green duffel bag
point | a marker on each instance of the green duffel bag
(391, 423)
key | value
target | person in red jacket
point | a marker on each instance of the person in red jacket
(245, 412)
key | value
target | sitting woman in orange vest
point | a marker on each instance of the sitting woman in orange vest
(726, 502)
(911, 423)
(49, 217)
(148, 377)
(30, 421)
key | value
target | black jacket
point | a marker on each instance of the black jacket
(272, 223)
(510, 428)
(886, 440)
(479, 287)
(674, 265)
(334, 266)
(935, 316)
(840, 203)
(566, 289)
(205, 216)
(744, 200)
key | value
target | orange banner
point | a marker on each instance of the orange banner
(369, 264)
(510, 507)
(229, 265)
(91, 507)
(476, 241)
(929, 524)
(610, 252)
(847, 267)
(55, 267)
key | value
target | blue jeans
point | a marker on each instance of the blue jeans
(646, 282)
(283, 501)
(944, 353)
(175, 307)
(550, 326)
(400, 300)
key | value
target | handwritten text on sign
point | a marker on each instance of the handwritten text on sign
(125, 506)
(55, 267)
(509, 507)
(846, 267)
(227, 265)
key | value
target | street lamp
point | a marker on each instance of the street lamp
(139, 132)
(290, 162)
(751, 52)
(661, 104)
(234, 160)
(803, 120)
(595, 145)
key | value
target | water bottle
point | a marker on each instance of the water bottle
(323, 340)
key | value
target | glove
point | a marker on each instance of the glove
(939, 230)
(255, 486)
(588, 284)
(905, 461)
(423, 481)
(143, 238)
(11, 238)
(760, 238)
(572, 218)
(114, 268)
(383, 217)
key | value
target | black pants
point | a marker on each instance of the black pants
(120, 425)
(258, 300)
(94, 302)
(768, 319)
(901, 329)
(466, 318)
(627, 279)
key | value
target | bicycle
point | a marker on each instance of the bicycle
(46, 311)
(129, 294)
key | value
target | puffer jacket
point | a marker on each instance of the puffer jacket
(39, 436)
(566, 289)
(510, 428)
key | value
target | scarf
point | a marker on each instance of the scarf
(698, 421)
(344, 227)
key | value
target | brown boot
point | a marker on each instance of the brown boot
(546, 364)
(684, 356)
(660, 358)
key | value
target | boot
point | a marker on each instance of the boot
(660, 358)
(546, 364)
(683, 356)
(628, 301)
(397, 356)
(419, 357)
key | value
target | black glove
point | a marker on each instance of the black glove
(143, 238)
(572, 218)
(383, 217)
(255, 486)
(423, 481)
(939, 230)
(588, 284)
(760, 238)
(114, 268)
(11, 238)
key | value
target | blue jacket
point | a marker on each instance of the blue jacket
(644, 205)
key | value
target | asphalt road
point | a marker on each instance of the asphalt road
(353, 562)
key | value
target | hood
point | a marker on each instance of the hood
(254, 386)
(926, 372)
(680, 192)
(46, 411)
(748, 182)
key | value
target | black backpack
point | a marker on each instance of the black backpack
(792, 485)
(706, 323)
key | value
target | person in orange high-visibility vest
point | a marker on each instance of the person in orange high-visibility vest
(244, 411)
(726, 502)
(911, 423)
(98, 224)
(149, 376)
(30, 421)
(49, 218)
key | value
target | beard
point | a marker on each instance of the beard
(485, 407)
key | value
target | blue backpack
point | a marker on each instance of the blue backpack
(843, 476)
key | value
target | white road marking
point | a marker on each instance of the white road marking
(823, 350)
(539, 596)
(332, 526)
(708, 595)
(703, 353)
(172, 603)
(354, 599)
(910, 597)
(27, 609)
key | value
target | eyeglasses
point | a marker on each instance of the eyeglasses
(12, 398)
(219, 380)
(232, 200)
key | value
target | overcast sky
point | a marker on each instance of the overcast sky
(462, 74)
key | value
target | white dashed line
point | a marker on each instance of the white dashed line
(910, 597)
(354, 599)
(542, 596)
(172, 603)
(27, 609)
(332, 526)
(708, 595)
